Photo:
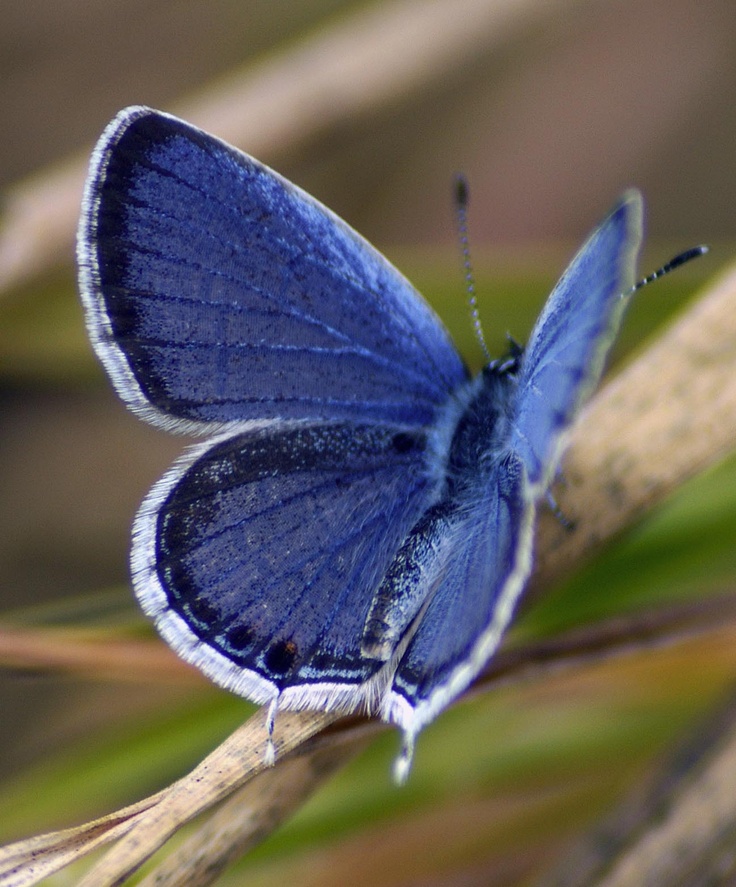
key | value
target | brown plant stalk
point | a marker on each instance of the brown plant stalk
(670, 414)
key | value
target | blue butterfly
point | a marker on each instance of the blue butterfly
(356, 528)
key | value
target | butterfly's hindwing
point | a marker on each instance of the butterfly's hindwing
(269, 545)
(488, 561)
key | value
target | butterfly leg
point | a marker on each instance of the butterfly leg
(566, 522)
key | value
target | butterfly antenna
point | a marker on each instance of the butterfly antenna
(676, 262)
(461, 208)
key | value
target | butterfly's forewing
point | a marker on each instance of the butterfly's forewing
(218, 292)
(564, 358)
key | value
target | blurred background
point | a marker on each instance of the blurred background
(551, 108)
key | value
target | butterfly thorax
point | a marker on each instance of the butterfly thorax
(483, 428)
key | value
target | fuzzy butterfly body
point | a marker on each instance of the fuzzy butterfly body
(356, 527)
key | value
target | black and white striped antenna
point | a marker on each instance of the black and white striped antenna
(461, 208)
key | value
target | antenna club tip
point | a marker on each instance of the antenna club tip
(462, 194)
(678, 261)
